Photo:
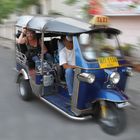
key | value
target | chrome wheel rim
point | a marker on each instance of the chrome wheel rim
(22, 89)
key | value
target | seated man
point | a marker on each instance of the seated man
(67, 60)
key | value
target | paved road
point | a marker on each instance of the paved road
(34, 120)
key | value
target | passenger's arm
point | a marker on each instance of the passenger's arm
(22, 38)
(45, 50)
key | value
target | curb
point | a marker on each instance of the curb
(1, 37)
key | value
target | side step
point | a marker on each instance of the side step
(67, 114)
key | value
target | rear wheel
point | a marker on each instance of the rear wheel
(25, 90)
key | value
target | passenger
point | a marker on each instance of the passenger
(33, 44)
(67, 60)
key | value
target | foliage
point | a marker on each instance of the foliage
(89, 8)
(25, 3)
(54, 13)
(107, 48)
(9, 6)
(71, 2)
(6, 7)
(126, 48)
(85, 10)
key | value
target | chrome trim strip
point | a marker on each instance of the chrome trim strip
(42, 51)
(64, 113)
(83, 111)
(75, 92)
(75, 96)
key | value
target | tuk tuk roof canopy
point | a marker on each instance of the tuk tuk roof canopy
(53, 24)
(65, 25)
(23, 21)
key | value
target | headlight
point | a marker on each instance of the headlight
(86, 77)
(129, 71)
(115, 77)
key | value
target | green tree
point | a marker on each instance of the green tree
(26, 3)
(84, 8)
(9, 6)
(71, 2)
(6, 7)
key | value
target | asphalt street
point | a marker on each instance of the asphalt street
(35, 120)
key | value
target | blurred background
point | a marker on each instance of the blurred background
(124, 15)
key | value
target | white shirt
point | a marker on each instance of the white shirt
(66, 56)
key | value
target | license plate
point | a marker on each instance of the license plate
(108, 62)
(121, 105)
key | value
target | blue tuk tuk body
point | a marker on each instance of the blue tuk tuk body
(88, 98)
(89, 93)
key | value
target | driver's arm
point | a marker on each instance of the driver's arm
(66, 66)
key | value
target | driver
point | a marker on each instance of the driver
(67, 60)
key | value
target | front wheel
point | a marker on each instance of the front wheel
(115, 120)
(25, 90)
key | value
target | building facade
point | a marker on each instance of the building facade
(124, 18)
(127, 23)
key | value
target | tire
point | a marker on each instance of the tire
(115, 122)
(25, 90)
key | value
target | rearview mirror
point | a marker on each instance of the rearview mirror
(84, 39)
(110, 36)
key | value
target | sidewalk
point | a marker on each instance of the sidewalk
(134, 82)
(7, 43)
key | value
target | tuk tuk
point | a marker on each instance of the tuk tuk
(100, 75)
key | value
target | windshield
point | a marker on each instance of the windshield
(99, 45)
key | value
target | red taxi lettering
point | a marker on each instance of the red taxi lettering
(105, 19)
(102, 19)
(98, 19)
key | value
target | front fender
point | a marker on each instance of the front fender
(111, 95)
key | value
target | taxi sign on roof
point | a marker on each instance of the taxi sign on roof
(99, 20)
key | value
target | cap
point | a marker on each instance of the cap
(69, 38)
